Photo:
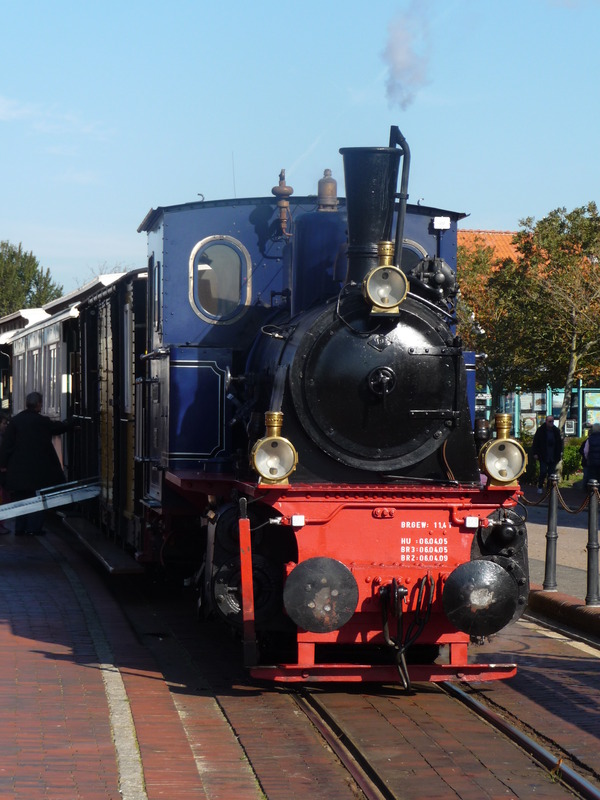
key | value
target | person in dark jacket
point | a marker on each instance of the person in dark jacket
(30, 460)
(591, 453)
(547, 449)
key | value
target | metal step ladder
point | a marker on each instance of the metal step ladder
(52, 497)
(112, 557)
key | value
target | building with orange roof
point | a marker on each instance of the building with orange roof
(499, 241)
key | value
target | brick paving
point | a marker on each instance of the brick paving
(288, 754)
(55, 738)
(160, 731)
(65, 733)
(286, 751)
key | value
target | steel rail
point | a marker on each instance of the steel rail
(563, 773)
(363, 774)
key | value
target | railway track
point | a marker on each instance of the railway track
(362, 771)
(556, 765)
(546, 775)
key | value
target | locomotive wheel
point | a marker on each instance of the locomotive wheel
(227, 591)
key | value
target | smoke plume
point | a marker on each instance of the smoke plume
(405, 55)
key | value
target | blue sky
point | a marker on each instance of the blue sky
(108, 109)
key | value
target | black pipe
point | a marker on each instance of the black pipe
(396, 138)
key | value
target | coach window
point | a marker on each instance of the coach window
(51, 398)
(128, 359)
(18, 384)
(219, 279)
(33, 371)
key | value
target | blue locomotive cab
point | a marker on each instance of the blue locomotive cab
(218, 273)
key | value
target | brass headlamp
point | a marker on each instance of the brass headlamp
(386, 286)
(502, 459)
(273, 457)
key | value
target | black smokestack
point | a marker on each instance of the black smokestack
(371, 175)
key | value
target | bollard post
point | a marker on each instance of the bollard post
(592, 597)
(550, 584)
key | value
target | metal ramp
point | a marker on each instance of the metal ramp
(112, 557)
(52, 497)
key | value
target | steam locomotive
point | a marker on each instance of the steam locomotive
(279, 409)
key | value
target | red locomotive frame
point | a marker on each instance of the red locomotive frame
(427, 532)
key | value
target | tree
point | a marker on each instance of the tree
(493, 317)
(23, 283)
(540, 311)
(561, 256)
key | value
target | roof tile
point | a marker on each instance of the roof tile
(499, 241)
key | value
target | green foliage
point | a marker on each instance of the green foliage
(494, 295)
(571, 461)
(526, 440)
(23, 283)
(540, 313)
(560, 254)
(529, 477)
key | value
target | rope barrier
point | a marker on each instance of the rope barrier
(526, 502)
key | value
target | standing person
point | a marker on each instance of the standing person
(591, 453)
(547, 449)
(30, 459)
(582, 453)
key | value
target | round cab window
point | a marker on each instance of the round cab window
(219, 278)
